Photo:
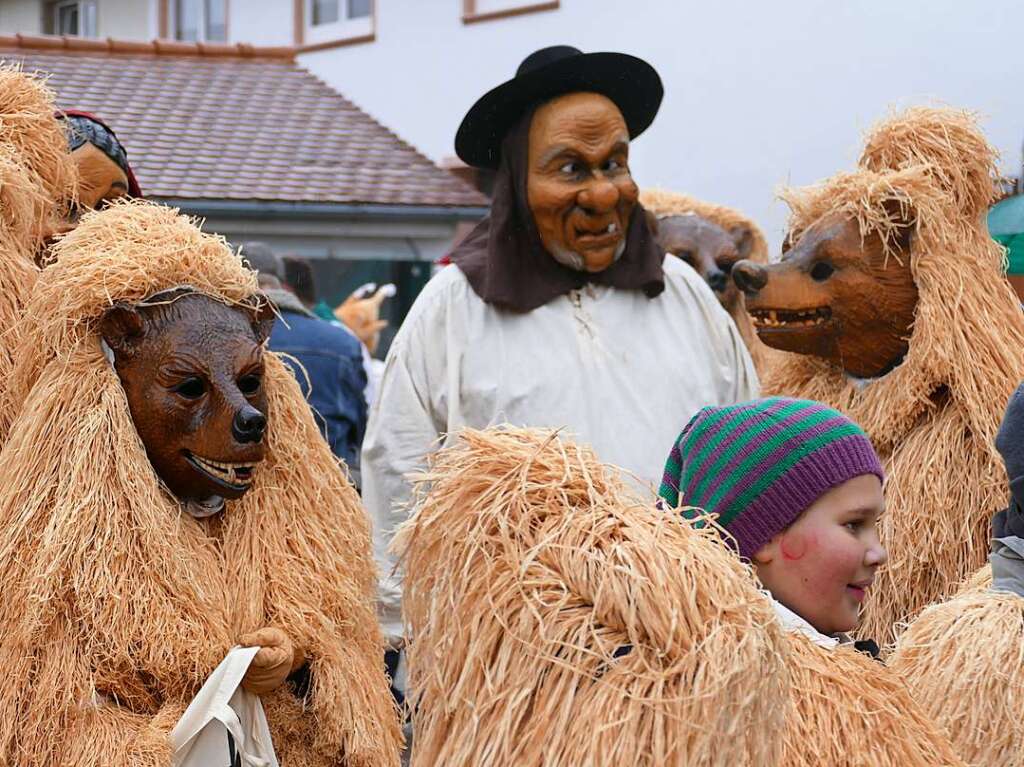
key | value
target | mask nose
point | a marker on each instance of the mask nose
(249, 425)
(749, 277)
(717, 279)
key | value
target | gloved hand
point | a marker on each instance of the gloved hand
(1010, 444)
(276, 659)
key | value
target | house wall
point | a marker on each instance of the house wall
(124, 19)
(261, 22)
(757, 94)
(21, 16)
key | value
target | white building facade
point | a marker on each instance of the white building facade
(756, 94)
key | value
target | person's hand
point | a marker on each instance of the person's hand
(362, 316)
(276, 659)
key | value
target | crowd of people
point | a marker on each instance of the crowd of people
(624, 490)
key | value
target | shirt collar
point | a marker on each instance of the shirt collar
(792, 622)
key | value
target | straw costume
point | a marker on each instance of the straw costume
(37, 180)
(117, 605)
(848, 709)
(556, 619)
(964, 659)
(933, 418)
(663, 203)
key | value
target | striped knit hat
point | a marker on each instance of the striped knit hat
(759, 465)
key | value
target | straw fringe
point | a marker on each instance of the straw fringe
(37, 180)
(559, 620)
(36, 140)
(934, 418)
(849, 710)
(962, 661)
(111, 589)
(662, 202)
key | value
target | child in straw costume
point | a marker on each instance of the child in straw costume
(118, 604)
(933, 418)
(556, 619)
(748, 242)
(964, 659)
(37, 181)
(797, 490)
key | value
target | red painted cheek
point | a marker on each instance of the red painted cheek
(794, 546)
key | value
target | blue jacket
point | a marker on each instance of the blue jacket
(336, 385)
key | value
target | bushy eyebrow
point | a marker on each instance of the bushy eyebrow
(621, 145)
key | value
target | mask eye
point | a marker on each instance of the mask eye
(822, 271)
(570, 168)
(250, 384)
(191, 388)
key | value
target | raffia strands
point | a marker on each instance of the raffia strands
(662, 202)
(947, 142)
(19, 198)
(556, 619)
(851, 711)
(28, 128)
(962, 661)
(934, 418)
(111, 591)
(979, 581)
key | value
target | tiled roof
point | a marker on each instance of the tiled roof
(235, 122)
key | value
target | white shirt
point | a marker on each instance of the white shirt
(615, 369)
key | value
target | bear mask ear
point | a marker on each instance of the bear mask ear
(743, 239)
(122, 327)
(263, 318)
(905, 219)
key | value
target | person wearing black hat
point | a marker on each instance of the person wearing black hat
(560, 309)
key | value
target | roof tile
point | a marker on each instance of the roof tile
(236, 122)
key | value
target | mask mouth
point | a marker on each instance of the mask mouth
(205, 508)
(236, 477)
(779, 319)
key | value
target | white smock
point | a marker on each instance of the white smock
(615, 369)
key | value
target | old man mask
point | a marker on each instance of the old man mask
(565, 208)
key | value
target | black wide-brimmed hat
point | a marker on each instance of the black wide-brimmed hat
(631, 83)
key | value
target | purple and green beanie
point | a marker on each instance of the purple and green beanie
(759, 465)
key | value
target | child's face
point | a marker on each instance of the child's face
(821, 566)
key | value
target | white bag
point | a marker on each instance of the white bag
(224, 726)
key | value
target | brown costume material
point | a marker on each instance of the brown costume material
(851, 710)
(662, 203)
(962, 661)
(117, 605)
(557, 620)
(37, 180)
(933, 418)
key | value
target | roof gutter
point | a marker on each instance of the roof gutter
(322, 210)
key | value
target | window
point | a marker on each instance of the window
(330, 23)
(330, 11)
(200, 20)
(485, 10)
(71, 17)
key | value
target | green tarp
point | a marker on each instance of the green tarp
(1006, 225)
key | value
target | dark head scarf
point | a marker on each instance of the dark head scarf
(507, 265)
